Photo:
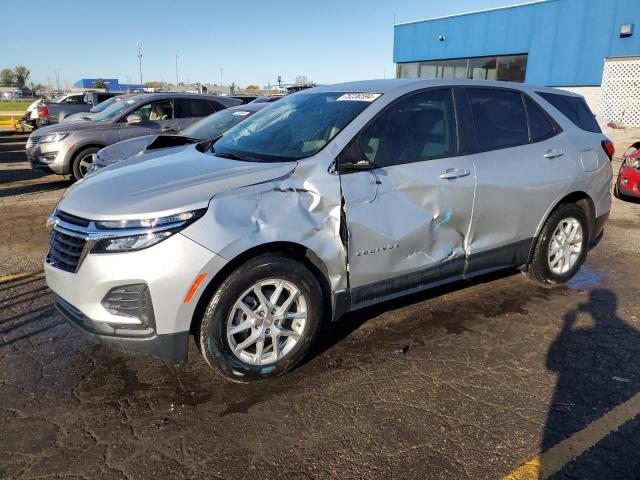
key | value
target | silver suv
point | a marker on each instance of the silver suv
(69, 148)
(331, 200)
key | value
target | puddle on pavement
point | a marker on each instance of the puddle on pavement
(586, 277)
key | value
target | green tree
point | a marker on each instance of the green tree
(100, 84)
(22, 75)
(7, 77)
(253, 87)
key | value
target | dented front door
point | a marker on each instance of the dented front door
(408, 219)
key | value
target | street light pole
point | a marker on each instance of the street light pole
(140, 61)
(176, 69)
(220, 77)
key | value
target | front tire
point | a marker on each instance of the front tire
(561, 247)
(262, 319)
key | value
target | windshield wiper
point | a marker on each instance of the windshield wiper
(233, 156)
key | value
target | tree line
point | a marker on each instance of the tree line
(14, 78)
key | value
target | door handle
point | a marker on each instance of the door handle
(453, 173)
(553, 154)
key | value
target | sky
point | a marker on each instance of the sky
(252, 41)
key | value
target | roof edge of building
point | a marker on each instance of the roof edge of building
(474, 12)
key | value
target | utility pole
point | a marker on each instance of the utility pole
(279, 82)
(176, 69)
(220, 77)
(140, 61)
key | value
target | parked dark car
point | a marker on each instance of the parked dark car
(206, 129)
(267, 99)
(245, 98)
(69, 148)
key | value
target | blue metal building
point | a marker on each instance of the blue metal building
(551, 42)
(112, 84)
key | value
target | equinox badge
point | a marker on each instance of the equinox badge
(377, 249)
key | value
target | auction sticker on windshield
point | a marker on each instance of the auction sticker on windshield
(358, 97)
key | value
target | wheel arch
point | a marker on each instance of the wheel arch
(290, 249)
(578, 197)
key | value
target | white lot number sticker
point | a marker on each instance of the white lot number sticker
(242, 113)
(358, 97)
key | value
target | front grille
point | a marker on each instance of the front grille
(72, 219)
(33, 141)
(65, 251)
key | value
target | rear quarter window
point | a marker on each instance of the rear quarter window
(575, 109)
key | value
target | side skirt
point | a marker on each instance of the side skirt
(509, 256)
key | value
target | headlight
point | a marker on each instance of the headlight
(633, 159)
(54, 137)
(149, 223)
(131, 235)
(128, 244)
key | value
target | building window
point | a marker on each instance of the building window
(511, 68)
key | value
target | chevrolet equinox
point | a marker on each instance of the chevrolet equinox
(330, 200)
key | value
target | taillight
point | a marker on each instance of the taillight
(608, 148)
(44, 111)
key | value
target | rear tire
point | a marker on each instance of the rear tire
(240, 327)
(82, 161)
(561, 247)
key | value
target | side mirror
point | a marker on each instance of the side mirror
(134, 119)
(360, 166)
(353, 159)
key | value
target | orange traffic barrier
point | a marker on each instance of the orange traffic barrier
(14, 127)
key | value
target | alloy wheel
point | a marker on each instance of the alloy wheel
(86, 162)
(266, 321)
(565, 246)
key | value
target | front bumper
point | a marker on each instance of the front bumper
(48, 158)
(172, 348)
(629, 181)
(168, 269)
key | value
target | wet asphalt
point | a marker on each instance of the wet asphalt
(466, 381)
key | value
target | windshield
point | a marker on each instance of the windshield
(294, 127)
(104, 105)
(113, 110)
(215, 125)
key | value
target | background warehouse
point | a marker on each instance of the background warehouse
(591, 47)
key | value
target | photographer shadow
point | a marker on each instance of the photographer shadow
(597, 360)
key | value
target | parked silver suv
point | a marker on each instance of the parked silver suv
(331, 200)
(69, 148)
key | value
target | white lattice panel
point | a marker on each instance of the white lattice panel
(620, 94)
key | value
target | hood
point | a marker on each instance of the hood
(74, 126)
(138, 146)
(183, 180)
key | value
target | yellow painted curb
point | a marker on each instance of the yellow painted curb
(9, 278)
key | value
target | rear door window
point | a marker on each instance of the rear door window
(575, 109)
(539, 124)
(419, 127)
(499, 118)
(192, 107)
